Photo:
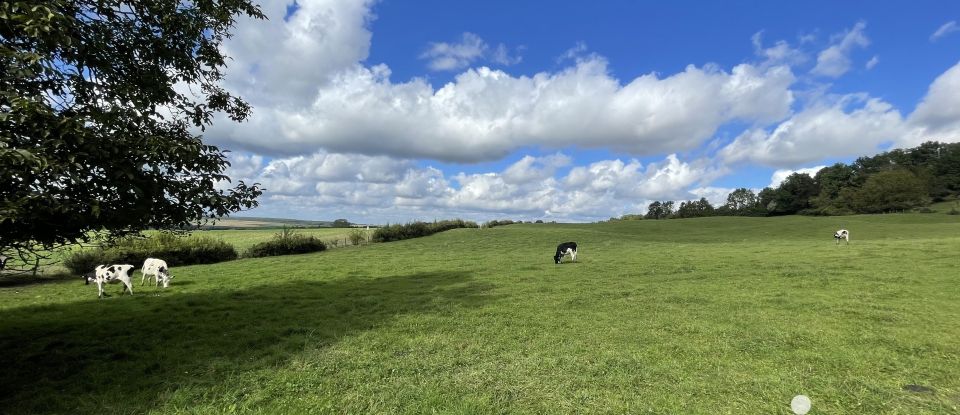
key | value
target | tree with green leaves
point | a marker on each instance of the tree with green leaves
(890, 191)
(659, 210)
(741, 201)
(793, 195)
(830, 181)
(695, 209)
(100, 102)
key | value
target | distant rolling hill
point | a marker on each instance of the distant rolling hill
(259, 223)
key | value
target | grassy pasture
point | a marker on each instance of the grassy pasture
(713, 315)
(242, 239)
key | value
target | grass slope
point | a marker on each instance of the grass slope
(714, 315)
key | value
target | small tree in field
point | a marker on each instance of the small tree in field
(94, 136)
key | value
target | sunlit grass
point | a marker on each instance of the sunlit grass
(716, 315)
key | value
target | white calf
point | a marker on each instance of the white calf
(157, 270)
(842, 234)
(112, 274)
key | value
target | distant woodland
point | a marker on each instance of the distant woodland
(894, 181)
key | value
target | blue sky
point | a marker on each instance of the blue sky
(575, 111)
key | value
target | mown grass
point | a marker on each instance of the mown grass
(714, 315)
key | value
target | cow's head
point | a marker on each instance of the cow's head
(165, 279)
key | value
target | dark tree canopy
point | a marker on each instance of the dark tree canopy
(793, 195)
(659, 210)
(695, 209)
(890, 191)
(741, 201)
(93, 135)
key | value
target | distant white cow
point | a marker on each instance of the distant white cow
(110, 275)
(842, 234)
(157, 270)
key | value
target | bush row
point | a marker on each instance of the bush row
(418, 229)
(285, 243)
(171, 248)
(501, 222)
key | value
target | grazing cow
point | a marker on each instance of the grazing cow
(842, 234)
(113, 274)
(156, 269)
(566, 248)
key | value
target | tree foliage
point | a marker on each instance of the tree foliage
(659, 210)
(99, 104)
(890, 191)
(695, 209)
(793, 195)
(893, 181)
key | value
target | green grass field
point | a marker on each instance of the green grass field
(242, 239)
(698, 316)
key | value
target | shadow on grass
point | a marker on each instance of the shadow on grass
(122, 355)
(24, 279)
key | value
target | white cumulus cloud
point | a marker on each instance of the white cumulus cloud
(780, 175)
(835, 59)
(527, 189)
(851, 125)
(937, 116)
(311, 90)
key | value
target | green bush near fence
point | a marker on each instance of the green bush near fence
(286, 242)
(399, 232)
(173, 249)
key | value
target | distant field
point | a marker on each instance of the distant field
(245, 238)
(697, 316)
(253, 222)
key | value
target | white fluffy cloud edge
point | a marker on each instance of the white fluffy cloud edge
(334, 136)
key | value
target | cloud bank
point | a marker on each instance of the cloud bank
(334, 134)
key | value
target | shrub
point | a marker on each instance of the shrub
(173, 249)
(418, 229)
(502, 222)
(286, 242)
(357, 236)
(953, 211)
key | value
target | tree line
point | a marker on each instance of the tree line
(893, 181)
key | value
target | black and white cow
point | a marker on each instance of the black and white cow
(110, 275)
(156, 269)
(566, 248)
(842, 234)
